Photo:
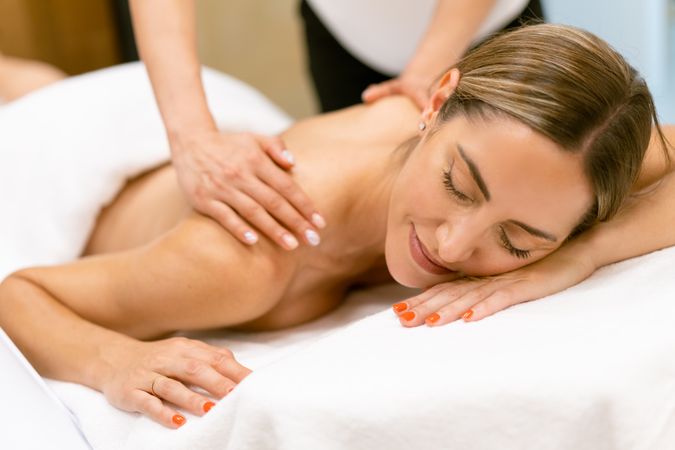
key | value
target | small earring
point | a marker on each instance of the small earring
(422, 126)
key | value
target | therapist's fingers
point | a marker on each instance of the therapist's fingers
(275, 204)
(418, 93)
(375, 92)
(284, 184)
(416, 89)
(294, 196)
(274, 146)
(231, 221)
(258, 216)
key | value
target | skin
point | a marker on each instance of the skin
(19, 77)
(154, 266)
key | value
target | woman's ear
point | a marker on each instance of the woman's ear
(446, 86)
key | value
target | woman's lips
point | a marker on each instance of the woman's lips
(420, 255)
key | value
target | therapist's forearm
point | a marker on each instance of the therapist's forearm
(448, 36)
(166, 36)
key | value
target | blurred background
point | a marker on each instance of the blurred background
(260, 41)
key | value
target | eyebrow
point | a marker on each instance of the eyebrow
(478, 178)
(534, 231)
(475, 173)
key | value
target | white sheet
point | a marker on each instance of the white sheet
(589, 368)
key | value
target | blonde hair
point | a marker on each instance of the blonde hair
(572, 87)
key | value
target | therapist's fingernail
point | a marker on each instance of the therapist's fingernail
(433, 318)
(467, 315)
(410, 315)
(288, 156)
(318, 220)
(207, 406)
(400, 307)
(178, 420)
(312, 237)
(290, 241)
(250, 237)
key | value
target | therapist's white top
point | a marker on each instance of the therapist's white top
(384, 33)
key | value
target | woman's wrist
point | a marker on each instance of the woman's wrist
(108, 353)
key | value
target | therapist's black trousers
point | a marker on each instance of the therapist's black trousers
(338, 77)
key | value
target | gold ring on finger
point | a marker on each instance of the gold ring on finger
(152, 387)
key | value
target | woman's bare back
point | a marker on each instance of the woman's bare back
(329, 149)
(152, 203)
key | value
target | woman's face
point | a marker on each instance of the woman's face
(481, 197)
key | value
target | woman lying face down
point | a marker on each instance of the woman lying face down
(516, 152)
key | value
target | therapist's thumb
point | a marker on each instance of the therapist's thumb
(375, 92)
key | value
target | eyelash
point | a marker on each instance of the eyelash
(450, 186)
(518, 253)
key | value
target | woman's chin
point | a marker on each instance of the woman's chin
(405, 275)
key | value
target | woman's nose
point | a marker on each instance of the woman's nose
(458, 241)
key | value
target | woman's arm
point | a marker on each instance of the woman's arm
(72, 321)
(452, 28)
(227, 176)
(645, 224)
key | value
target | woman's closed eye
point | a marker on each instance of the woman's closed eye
(462, 197)
(517, 252)
(450, 187)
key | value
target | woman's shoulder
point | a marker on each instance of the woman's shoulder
(206, 242)
(391, 118)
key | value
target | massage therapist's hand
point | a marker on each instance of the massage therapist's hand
(146, 377)
(413, 87)
(473, 299)
(242, 179)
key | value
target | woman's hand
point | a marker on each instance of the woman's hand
(475, 298)
(237, 178)
(415, 88)
(146, 376)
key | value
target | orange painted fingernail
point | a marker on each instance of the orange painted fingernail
(399, 307)
(178, 420)
(467, 315)
(410, 315)
(207, 406)
(433, 318)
